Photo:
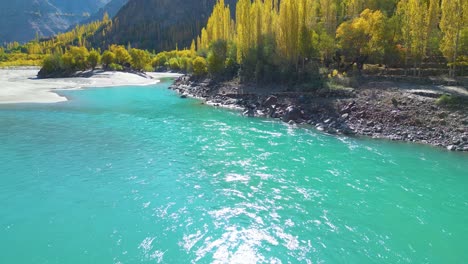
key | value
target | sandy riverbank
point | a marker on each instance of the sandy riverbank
(20, 85)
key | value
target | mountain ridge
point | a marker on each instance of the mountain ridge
(22, 20)
(158, 24)
(111, 8)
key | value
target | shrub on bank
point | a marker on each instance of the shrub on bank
(451, 100)
(115, 67)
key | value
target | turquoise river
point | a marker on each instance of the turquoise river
(138, 175)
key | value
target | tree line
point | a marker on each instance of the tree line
(270, 39)
(115, 58)
(291, 40)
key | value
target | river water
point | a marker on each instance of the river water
(138, 175)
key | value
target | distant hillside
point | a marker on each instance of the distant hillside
(110, 8)
(20, 20)
(159, 24)
(78, 7)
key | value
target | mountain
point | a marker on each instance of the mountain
(78, 7)
(21, 20)
(110, 8)
(159, 24)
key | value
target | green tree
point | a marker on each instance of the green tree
(174, 64)
(199, 66)
(76, 58)
(216, 59)
(108, 57)
(140, 59)
(52, 63)
(94, 59)
(122, 56)
(160, 60)
(2, 54)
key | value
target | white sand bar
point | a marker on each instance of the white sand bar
(20, 85)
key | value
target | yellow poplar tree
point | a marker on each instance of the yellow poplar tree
(243, 28)
(363, 36)
(454, 19)
(193, 49)
(418, 33)
(432, 20)
(414, 30)
(328, 10)
(219, 27)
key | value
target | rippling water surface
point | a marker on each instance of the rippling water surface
(137, 175)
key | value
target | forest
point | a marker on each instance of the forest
(285, 39)
(294, 41)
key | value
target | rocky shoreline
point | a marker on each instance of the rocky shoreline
(376, 109)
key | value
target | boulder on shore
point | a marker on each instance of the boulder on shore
(292, 113)
(270, 101)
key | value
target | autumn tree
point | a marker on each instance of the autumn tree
(140, 59)
(433, 33)
(193, 49)
(217, 57)
(108, 57)
(453, 22)
(160, 60)
(220, 26)
(94, 59)
(414, 29)
(76, 58)
(122, 57)
(174, 64)
(199, 66)
(287, 34)
(243, 29)
(51, 64)
(362, 37)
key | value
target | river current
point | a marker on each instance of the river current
(138, 175)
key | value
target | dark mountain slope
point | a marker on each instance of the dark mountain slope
(20, 20)
(79, 7)
(159, 24)
(111, 9)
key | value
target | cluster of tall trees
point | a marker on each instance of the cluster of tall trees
(290, 35)
(80, 59)
(288, 40)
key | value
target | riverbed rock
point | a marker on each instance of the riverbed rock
(452, 148)
(270, 101)
(231, 102)
(349, 108)
(292, 113)
(250, 112)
